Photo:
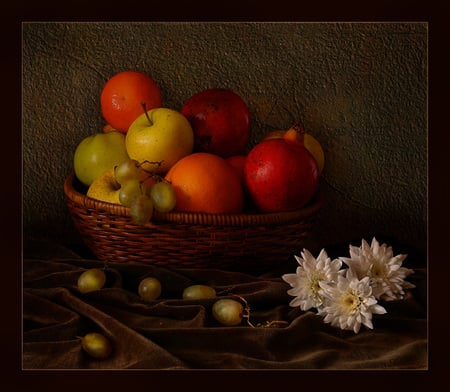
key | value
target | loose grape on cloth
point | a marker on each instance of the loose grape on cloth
(175, 333)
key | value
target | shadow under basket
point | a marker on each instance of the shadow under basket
(241, 242)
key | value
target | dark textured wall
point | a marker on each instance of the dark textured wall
(360, 89)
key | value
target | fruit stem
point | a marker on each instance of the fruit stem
(157, 163)
(295, 133)
(246, 315)
(144, 106)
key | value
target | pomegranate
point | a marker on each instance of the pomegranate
(220, 119)
(309, 141)
(281, 174)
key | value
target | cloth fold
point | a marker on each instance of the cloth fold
(173, 333)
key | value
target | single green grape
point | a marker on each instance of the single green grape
(149, 288)
(129, 191)
(91, 279)
(96, 345)
(127, 171)
(163, 196)
(228, 311)
(141, 209)
(199, 291)
(147, 184)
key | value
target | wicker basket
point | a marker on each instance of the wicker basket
(243, 242)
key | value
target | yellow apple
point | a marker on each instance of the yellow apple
(160, 135)
(97, 153)
(105, 187)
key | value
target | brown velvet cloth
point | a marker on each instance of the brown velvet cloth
(171, 333)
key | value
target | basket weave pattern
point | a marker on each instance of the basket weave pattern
(191, 240)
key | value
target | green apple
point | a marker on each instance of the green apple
(105, 187)
(161, 136)
(98, 152)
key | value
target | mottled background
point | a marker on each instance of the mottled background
(359, 88)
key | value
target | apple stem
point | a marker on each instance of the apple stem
(144, 106)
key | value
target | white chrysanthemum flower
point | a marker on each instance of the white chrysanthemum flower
(387, 276)
(306, 281)
(349, 303)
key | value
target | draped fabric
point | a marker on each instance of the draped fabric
(173, 333)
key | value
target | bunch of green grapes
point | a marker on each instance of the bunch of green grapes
(142, 191)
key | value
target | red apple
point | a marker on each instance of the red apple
(122, 96)
(238, 162)
(280, 174)
(220, 119)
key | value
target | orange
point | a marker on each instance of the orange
(122, 97)
(205, 182)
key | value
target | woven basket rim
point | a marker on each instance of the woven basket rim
(244, 219)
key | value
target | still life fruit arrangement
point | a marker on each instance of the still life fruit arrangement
(153, 160)
(150, 158)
